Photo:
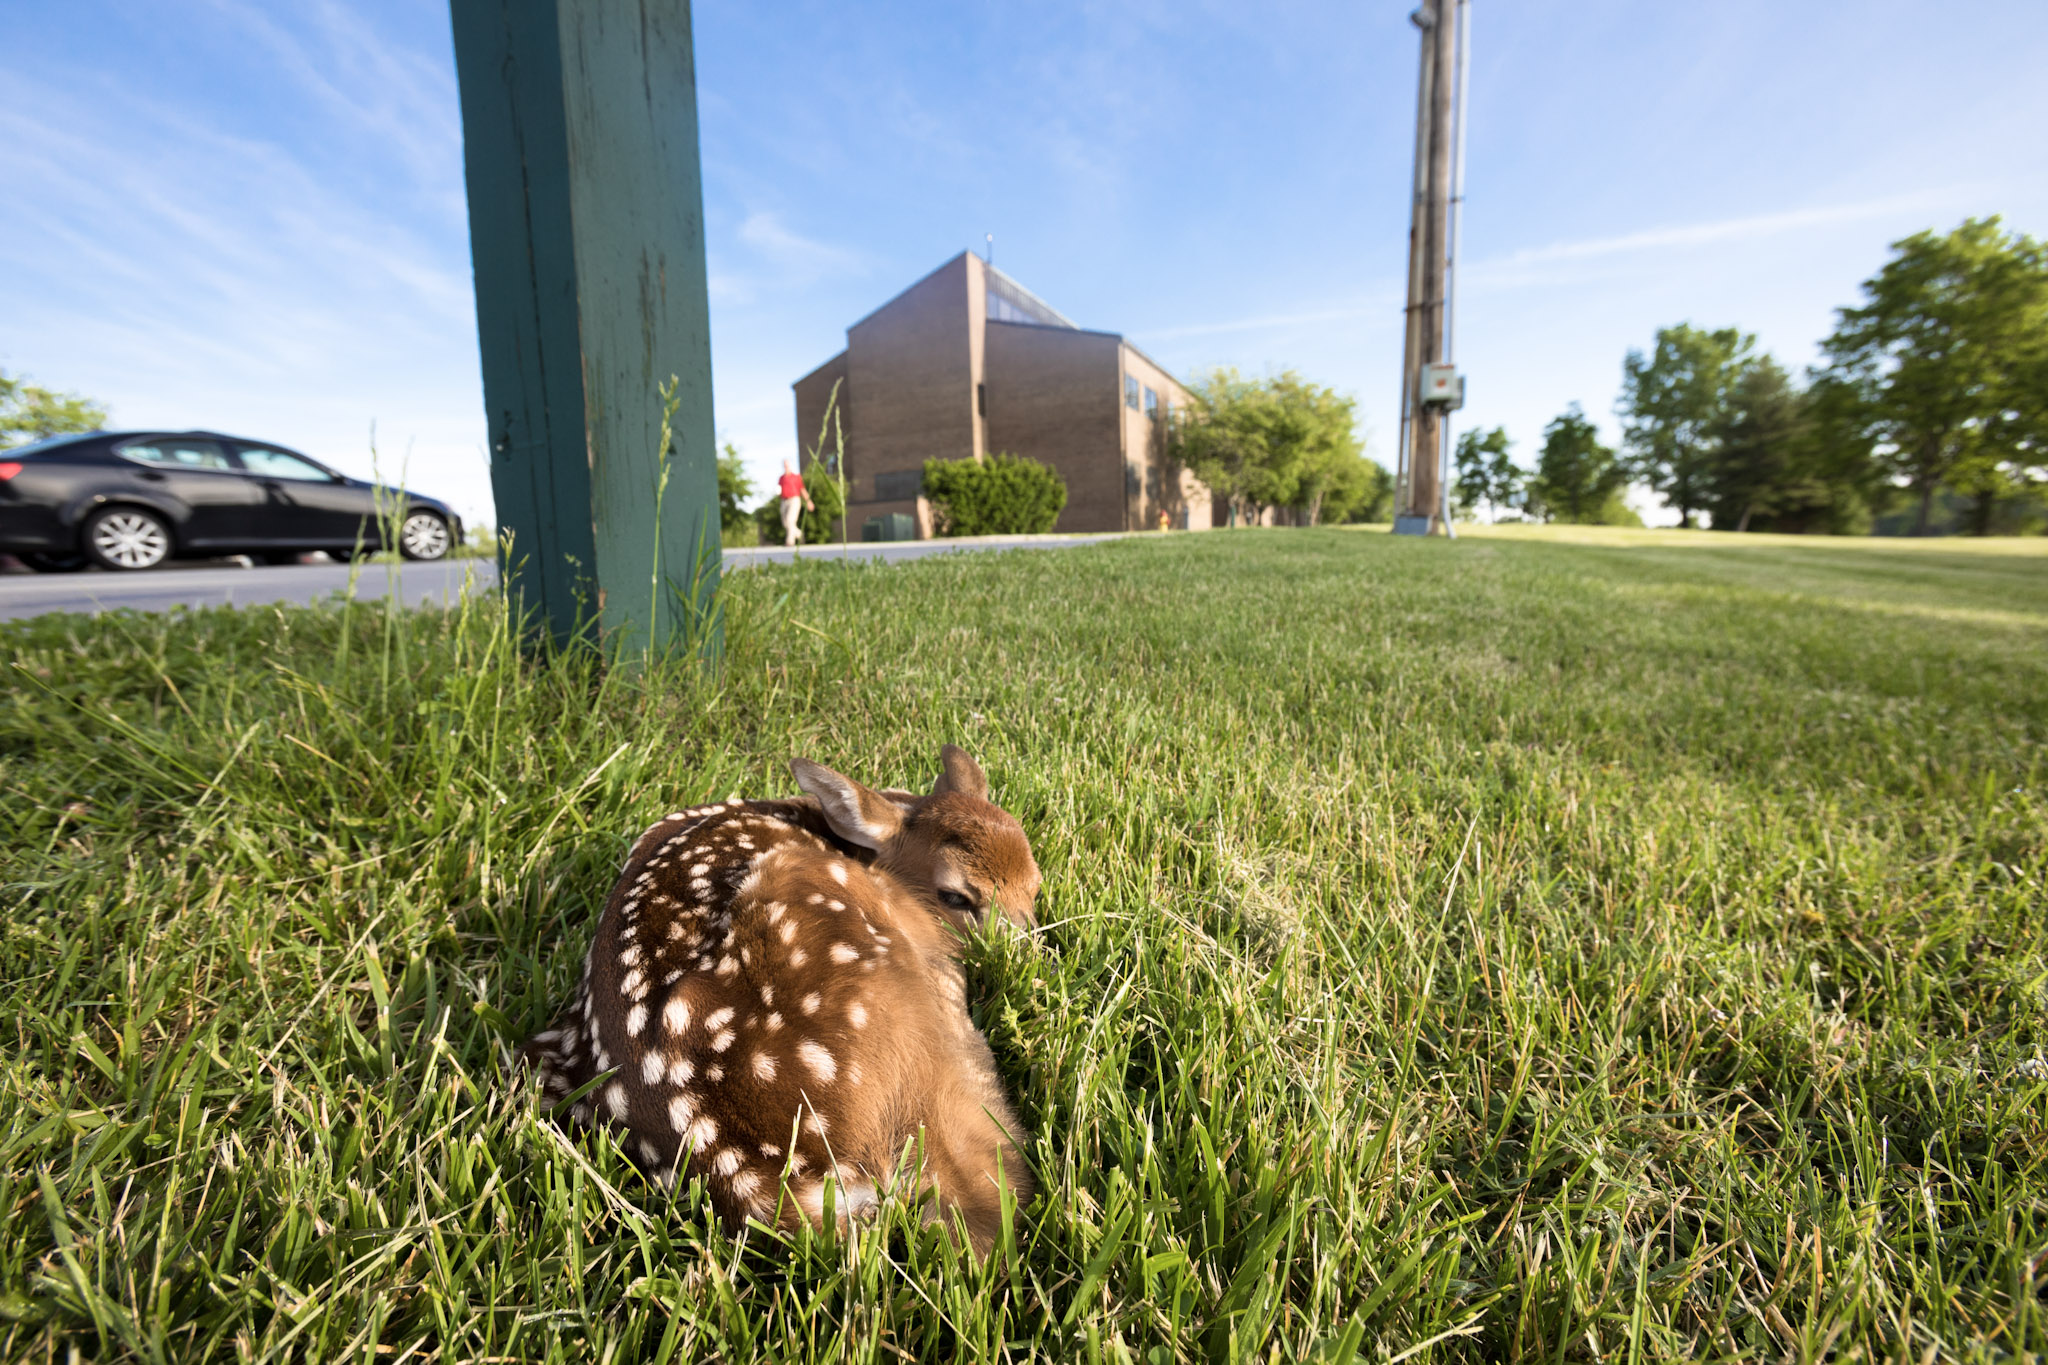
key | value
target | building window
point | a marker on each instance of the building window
(899, 485)
(1131, 391)
(1151, 402)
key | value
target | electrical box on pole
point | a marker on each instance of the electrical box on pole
(1442, 387)
(586, 225)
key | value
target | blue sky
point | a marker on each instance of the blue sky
(250, 216)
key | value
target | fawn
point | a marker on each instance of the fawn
(776, 988)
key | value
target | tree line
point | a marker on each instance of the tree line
(1929, 412)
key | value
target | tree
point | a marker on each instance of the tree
(1319, 426)
(1771, 471)
(1754, 436)
(1360, 490)
(1672, 403)
(1282, 442)
(1486, 472)
(1577, 478)
(29, 412)
(735, 522)
(1938, 374)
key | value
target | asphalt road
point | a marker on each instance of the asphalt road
(212, 584)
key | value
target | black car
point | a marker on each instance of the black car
(133, 499)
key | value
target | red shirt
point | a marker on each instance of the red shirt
(792, 485)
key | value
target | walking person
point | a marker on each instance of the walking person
(793, 498)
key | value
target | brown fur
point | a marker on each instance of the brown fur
(777, 988)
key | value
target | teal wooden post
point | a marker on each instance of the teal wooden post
(586, 228)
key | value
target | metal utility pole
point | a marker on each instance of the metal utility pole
(1430, 385)
(586, 229)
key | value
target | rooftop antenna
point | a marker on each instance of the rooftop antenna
(988, 257)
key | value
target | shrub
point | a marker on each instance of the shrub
(997, 496)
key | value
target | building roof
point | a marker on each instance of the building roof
(1038, 313)
(1035, 308)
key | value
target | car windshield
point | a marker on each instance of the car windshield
(282, 464)
(46, 445)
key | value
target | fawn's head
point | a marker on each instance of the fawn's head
(965, 855)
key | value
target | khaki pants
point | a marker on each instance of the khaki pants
(792, 512)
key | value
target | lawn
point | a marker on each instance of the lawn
(1621, 946)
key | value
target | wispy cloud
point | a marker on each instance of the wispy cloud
(1749, 228)
(190, 272)
(803, 258)
(1373, 306)
(1527, 265)
(766, 256)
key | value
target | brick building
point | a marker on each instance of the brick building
(969, 362)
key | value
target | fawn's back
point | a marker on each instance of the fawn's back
(776, 988)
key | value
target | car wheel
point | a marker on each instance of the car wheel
(127, 538)
(423, 536)
(44, 562)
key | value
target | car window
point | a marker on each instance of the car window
(179, 452)
(281, 464)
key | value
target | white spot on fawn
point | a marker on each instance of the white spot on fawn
(857, 1014)
(636, 1020)
(774, 1022)
(631, 956)
(770, 1150)
(817, 1059)
(811, 1003)
(764, 1066)
(745, 1183)
(722, 1041)
(703, 1132)
(718, 1019)
(727, 965)
(651, 1067)
(615, 1099)
(728, 1161)
(788, 931)
(845, 952)
(838, 871)
(680, 1071)
(797, 957)
(676, 1014)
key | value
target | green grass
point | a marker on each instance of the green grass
(1627, 946)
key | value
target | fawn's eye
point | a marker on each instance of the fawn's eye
(953, 900)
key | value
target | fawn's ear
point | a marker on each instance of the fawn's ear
(855, 814)
(959, 773)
